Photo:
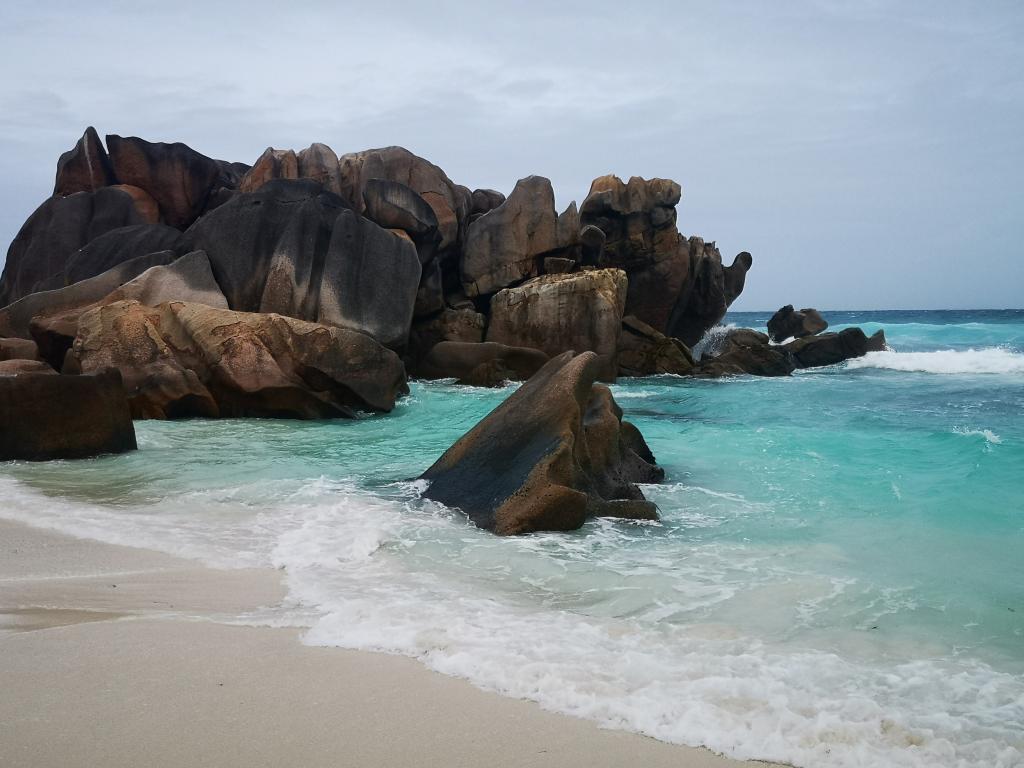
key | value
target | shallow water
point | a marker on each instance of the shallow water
(837, 579)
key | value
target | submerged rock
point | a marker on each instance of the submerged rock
(789, 323)
(180, 359)
(554, 454)
(45, 416)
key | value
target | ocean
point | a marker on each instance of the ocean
(837, 578)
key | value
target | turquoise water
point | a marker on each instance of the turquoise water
(837, 579)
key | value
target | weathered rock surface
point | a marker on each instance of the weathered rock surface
(320, 163)
(448, 325)
(503, 246)
(16, 367)
(18, 349)
(555, 453)
(370, 280)
(395, 206)
(113, 248)
(638, 219)
(450, 202)
(747, 351)
(84, 168)
(44, 416)
(272, 164)
(181, 359)
(484, 364)
(16, 317)
(831, 348)
(180, 179)
(677, 286)
(643, 351)
(188, 278)
(57, 229)
(484, 200)
(789, 323)
(580, 311)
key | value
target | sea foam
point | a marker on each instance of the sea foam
(949, 361)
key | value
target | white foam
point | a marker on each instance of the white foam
(949, 361)
(990, 437)
(582, 636)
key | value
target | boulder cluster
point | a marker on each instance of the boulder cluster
(157, 282)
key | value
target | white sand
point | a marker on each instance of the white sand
(112, 656)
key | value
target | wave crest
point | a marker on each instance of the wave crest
(948, 361)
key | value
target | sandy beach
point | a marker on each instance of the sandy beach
(117, 656)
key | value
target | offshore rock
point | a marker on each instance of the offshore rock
(832, 348)
(554, 454)
(789, 323)
(747, 351)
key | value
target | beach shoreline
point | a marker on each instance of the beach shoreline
(119, 656)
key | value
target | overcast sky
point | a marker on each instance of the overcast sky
(869, 154)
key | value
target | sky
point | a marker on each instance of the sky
(868, 154)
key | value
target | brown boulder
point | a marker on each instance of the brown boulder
(484, 200)
(44, 416)
(481, 364)
(644, 351)
(450, 202)
(18, 367)
(579, 311)
(272, 164)
(502, 246)
(789, 323)
(181, 359)
(18, 349)
(554, 454)
(320, 163)
(85, 168)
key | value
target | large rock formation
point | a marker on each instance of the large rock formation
(484, 364)
(112, 249)
(677, 286)
(181, 359)
(503, 246)
(581, 311)
(56, 230)
(395, 206)
(788, 323)
(44, 416)
(272, 164)
(555, 453)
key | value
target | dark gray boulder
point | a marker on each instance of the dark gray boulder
(113, 248)
(554, 454)
(370, 280)
(15, 318)
(789, 323)
(56, 230)
(829, 348)
(44, 416)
